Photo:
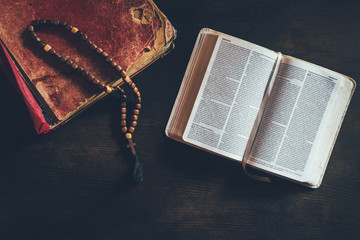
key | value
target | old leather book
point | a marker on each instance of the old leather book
(134, 33)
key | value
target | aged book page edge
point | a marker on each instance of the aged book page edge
(315, 177)
(189, 87)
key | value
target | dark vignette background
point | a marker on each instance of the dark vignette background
(74, 183)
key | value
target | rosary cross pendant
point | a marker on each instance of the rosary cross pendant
(131, 146)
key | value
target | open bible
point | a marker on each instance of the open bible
(276, 113)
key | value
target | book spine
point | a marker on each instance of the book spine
(14, 77)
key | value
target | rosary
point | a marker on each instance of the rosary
(127, 127)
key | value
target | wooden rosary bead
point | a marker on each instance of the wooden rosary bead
(135, 117)
(123, 116)
(128, 135)
(134, 123)
(84, 37)
(127, 80)
(95, 81)
(138, 106)
(99, 50)
(101, 85)
(30, 28)
(118, 68)
(74, 66)
(124, 129)
(108, 89)
(136, 111)
(63, 59)
(123, 110)
(138, 94)
(123, 123)
(69, 62)
(104, 54)
(93, 46)
(47, 47)
(136, 89)
(123, 104)
(108, 59)
(74, 30)
(113, 64)
(138, 99)
(90, 77)
(58, 55)
(131, 129)
(123, 74)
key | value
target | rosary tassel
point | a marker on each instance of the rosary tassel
(138, 172)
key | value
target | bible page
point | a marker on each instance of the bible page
(230, 96)
(300, 121)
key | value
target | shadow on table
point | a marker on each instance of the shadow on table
(201, 166)
(16, 126)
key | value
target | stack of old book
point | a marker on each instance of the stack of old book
(133, 33)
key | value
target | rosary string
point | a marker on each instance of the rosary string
(128, 127)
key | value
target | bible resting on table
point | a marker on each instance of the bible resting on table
(273, 112)
(133, 33)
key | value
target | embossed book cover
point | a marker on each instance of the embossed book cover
(132, 33)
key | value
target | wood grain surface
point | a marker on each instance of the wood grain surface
(74, 183)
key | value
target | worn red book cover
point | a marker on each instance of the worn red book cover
(134, 33)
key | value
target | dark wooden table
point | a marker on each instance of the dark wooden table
(75, 184)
